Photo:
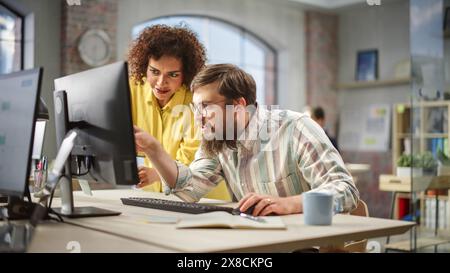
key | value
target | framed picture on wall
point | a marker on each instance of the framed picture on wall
(447, 20)
(367, 65)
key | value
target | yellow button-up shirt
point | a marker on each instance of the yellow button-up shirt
(169, 128)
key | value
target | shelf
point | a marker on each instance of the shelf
(435, 135)
(373, 84)
(420, 243)
(432, 103)
(444, 233)
(407, 135)
(357, 168)
(403, 183)
(425, 135)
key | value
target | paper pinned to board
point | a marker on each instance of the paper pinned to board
(84, 184)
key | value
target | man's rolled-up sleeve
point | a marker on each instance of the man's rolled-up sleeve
(197, 179)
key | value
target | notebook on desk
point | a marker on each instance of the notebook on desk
(221, 219)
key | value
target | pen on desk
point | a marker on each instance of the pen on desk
(251, 217)
(37, 174)
(247, 216)
(45, 163)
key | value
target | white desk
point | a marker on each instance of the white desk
(54, 237)
(132, 226)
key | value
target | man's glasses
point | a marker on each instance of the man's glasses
(202, 110)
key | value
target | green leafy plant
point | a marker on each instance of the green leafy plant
(428, 161)
(443, 158)
(425, 161)
(407, 160)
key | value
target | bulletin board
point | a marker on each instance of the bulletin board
(369, 129)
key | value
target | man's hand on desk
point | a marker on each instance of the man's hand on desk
(266, 204)
(146, 176)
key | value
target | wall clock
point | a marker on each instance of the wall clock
(94, 47)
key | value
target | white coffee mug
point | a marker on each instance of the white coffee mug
(318, 208)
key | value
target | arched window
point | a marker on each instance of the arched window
(11, 40)
(228, 43)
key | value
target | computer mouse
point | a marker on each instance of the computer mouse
(249, 211)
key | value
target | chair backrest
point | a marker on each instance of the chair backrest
(361, 209)
(354, 246)
(358, 246)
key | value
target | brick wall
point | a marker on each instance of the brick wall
(322, 64)
(321, 74)
(76, 20)
(378, 202)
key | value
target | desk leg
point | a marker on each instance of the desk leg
(436, 218)
(391, 216)
(413, 231)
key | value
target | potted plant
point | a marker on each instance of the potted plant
(429, 163)
(409, 164)
(444, 163)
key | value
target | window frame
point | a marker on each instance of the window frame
(22, 32)
(242, 32)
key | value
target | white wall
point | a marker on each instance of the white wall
(44, 45)
(386, 28)
(280, 23)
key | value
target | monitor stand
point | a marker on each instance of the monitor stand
(62, 174)
(83, 212)
(68, 209)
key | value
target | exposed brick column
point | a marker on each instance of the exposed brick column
(322, 64)
(76, 20)
(321, 76)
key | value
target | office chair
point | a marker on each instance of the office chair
(354, 246)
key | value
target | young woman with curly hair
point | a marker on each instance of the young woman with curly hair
(163, 60)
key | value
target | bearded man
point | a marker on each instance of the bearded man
(268, 158)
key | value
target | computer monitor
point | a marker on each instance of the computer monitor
(96, 105)
(19, 96)
(38, 142)
(39, 133)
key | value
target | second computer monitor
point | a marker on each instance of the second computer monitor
(19, 93)
(98, 108)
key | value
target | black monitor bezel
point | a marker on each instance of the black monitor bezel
(40, 71)
(79, 125)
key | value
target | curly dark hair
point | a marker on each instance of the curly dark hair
(159, 40)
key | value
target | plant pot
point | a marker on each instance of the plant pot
(430, 171)
(406, 171)
(443, 170)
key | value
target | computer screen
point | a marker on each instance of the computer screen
(98, 108)
(38, 143)
(19, 93)
(39, 131)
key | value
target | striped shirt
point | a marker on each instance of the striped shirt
(284, 153)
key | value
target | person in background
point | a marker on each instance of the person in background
(163, 60)
(318, 115)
